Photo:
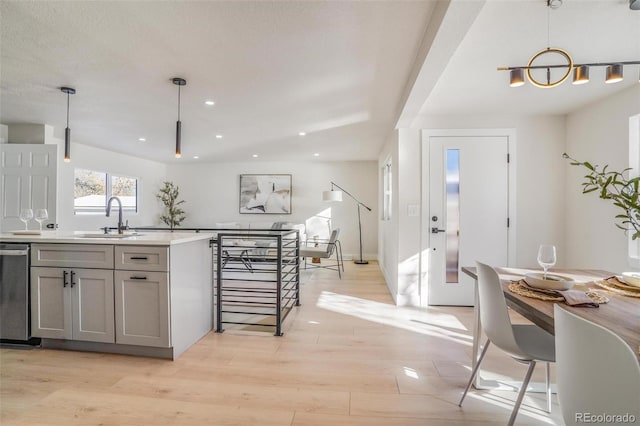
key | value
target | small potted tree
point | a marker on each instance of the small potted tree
(173, 214)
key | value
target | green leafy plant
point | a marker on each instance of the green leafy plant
(174, 215)
(614, 186)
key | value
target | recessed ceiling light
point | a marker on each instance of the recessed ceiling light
(255, 155)
(316, 155)
(302, 133)
(195, 157)
(218, 136)
(210, 103)
(142, 139)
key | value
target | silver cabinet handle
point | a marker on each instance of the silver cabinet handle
(14, 252)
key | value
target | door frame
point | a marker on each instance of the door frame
(425, 234)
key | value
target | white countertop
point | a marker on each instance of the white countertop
(145, 238)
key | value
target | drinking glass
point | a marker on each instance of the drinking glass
(25, 216)
(41, 216)
(546, 257)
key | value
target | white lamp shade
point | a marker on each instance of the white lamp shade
(332, 195)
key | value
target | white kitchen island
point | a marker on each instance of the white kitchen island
(146, 294)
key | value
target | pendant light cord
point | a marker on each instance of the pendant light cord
(67, 109)
(178, 102)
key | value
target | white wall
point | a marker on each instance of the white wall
(540, 172)
(150, 173)
(598, 133)
(211, 192)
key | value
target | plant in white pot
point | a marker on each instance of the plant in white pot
(173, 215)
(614, 186)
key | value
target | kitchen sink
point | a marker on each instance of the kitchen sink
(109, 236)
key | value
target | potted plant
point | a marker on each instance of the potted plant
(614, 186)
(174, 215)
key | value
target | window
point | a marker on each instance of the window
(92, 189)
(386, 190)
(634, 164)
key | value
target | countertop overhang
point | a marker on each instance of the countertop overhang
(148, 238)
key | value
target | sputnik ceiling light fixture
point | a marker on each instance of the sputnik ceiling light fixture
(565, 65)
(67, 130)
(179, 82)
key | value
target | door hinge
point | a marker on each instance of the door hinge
(508, 158)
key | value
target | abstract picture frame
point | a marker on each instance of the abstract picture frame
(265, 193)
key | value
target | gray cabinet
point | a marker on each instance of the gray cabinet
(142, 308)
(72, 304)
(143, 315)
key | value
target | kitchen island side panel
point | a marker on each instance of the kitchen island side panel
(191, 293)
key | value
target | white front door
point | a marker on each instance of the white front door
(27, 181)
(468, 212)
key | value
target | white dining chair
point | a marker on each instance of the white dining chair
(597, 372)
(525, 343)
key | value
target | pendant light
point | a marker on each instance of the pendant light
(179, 82)
(67, 130)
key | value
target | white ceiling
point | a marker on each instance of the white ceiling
(509, 33)
(345, 72)
(335, 70)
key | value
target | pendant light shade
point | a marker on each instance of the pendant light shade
(581, 74)
(179, 82)
(67, 130)
(517, 77)
(614, 73)
(332, 195)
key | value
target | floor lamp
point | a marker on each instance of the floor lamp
(334, 195)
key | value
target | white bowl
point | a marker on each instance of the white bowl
(553, 281)
(631, 278)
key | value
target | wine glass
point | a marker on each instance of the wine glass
(41, 216)
(546, 257)
(25, 216)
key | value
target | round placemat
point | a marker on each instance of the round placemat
(615, 286)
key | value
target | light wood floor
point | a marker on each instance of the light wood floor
(348, 357)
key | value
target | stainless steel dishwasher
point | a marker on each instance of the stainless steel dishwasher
(14, 293)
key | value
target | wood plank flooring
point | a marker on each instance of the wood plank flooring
(348, 357)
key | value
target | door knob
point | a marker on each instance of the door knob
(435, 230)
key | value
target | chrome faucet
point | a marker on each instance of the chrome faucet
(121, 226)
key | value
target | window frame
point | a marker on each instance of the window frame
(109, 191)
(387, 189)
(633, 250)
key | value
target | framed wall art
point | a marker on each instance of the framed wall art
(265, 194)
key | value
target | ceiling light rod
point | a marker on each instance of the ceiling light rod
(67, 130)
(179, 82)
(593, 64)
(329, 197)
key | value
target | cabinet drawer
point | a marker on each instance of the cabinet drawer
(93, 256)
(142, 258)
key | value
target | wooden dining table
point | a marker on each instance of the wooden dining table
(620, 315)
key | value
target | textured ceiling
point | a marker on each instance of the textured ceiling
(335, 70)
(509, 33)
(341, 71)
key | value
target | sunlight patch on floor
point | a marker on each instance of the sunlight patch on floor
(390, 315)
(526, 410)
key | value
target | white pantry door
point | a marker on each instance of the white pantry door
(27, 180)
(468, 212)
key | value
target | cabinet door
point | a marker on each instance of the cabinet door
(142, 308)
(92, 305)
(50, 303)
